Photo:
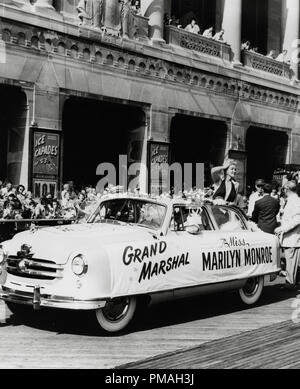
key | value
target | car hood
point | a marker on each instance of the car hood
(57, 243)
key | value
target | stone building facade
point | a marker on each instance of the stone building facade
(83, 82)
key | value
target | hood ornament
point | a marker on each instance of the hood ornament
(25, 251)
(33, 228)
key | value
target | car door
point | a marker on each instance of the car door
(191, 235)
(240, 252)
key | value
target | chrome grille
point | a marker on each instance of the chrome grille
(33, 268)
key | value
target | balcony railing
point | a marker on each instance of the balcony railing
(260, 62)
(138, 27)
(199, 43)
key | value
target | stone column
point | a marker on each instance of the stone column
(43, 6)
(232, 24)
(154, 10)
(274, 26)
(290, 32)
(112, 18)
(168, 7)
(68, 9)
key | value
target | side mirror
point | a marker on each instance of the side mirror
(193, 229)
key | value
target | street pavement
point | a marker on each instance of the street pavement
(63, 339)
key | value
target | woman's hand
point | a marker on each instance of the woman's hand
(278, 231)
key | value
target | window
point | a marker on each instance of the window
(184, 216)
(140, 212)
(227, 219)
(150, 214)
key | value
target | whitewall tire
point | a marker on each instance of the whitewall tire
(252, 290)
(117, 314)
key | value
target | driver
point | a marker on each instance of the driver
(194, 218)
(149, 216)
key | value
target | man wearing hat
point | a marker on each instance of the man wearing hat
(258, 194)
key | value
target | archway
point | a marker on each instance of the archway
(266, 151)
(204, 11)
(255, 23)
(13, 118)
(198, 140)
(97, 132)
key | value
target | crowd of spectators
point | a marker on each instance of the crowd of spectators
(273, 54)
(194, 28)
(19, 204)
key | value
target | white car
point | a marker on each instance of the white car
(134, 250)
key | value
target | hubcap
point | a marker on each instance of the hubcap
(251, 287)
(116, 309)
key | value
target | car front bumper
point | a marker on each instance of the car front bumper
(37, 300)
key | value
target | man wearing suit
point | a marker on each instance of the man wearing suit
(266, 210)
(289, 233)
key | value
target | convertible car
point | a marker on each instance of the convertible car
(136, 250)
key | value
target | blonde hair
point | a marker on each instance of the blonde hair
(228, 163)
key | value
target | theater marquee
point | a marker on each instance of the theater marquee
(158, 160)
(45, 163)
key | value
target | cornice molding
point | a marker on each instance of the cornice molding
(112, 53)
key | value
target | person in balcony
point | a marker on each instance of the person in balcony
(271, 54)
(219, 36)
(208, 33)
(281, 56)
(136, 9)
(167, 19)
(246, 45)
(174, 21)
(193, 27)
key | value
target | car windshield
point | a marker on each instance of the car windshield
(133, 211)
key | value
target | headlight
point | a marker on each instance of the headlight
(3, 255)
(79, 265)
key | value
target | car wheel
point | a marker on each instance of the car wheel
(252, 290)
(116, 314)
